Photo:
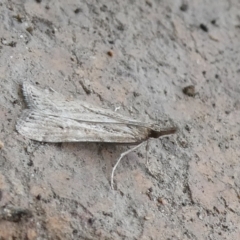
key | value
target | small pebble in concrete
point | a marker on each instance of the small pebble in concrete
(189, 91)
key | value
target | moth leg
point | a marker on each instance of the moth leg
(147, 160)
(147, 148)
(119, 159)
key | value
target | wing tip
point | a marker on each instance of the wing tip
(21, 122)
(27, 89)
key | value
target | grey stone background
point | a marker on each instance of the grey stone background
(135, 56)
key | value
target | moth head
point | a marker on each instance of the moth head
(162, 132)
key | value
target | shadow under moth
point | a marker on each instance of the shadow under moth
(52, 117)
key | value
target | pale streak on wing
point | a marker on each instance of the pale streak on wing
(37, 125)
(53, 103)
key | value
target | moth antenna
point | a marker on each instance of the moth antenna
(119, 159)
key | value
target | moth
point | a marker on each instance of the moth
(52, 117)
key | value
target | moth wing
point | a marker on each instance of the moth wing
(36, 125)
(53, 103)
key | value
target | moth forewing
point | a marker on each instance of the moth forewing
(52, 117)
(39, 126)
(52, 103)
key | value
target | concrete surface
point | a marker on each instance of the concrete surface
(137, 56)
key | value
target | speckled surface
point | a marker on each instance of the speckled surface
(137, 57)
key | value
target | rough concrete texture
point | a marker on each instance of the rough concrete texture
(137, 56)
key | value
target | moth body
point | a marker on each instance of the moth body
(52, 117)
